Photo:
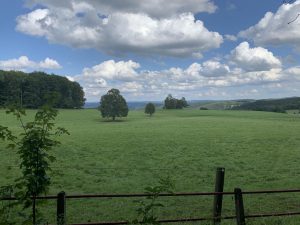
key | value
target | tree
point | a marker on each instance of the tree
(33, 145)
(150, 108)
(170, 102)
(184, 102)
(174, 103)
(113, 105)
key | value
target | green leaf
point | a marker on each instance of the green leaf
(11, 146)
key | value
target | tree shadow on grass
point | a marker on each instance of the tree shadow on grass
(112, 121)
(101, 120)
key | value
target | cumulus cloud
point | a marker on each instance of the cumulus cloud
(49, 64)
(117, 28)
(154, 8)
(294, 71)
(273, 28)
(214, 68)
(230, 37)
(129, 77)
(254, 59)
(112, 70)
(24, 63)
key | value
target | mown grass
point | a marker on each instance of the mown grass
(259, 150)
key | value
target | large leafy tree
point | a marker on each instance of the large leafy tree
(150, 108)
(113, 105)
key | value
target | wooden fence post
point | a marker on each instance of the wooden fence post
(61, 209)
(239, 207)
(219, 187)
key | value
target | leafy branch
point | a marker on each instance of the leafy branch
(33, 147)
(146, 211)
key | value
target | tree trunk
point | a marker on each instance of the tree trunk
(33, 211)
(114, 118)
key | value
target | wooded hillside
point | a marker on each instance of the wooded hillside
(32, 90)
(271, 105)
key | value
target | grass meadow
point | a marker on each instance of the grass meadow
(259, 150)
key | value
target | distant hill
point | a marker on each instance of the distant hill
(271, 105)
(218, 104)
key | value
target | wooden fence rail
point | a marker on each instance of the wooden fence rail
(216, 217)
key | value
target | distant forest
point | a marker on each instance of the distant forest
(271, 105)
(32, 90)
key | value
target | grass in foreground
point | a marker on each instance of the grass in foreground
(259, 151)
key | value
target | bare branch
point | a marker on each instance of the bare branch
(294, 19)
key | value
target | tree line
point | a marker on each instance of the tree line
(33, 90)
(174, 103)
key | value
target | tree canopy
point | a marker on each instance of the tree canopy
(150, 108)
(33, 90)
(113, 105)
(174, 103)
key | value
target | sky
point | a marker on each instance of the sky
(197, 49)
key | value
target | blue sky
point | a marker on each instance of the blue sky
(200, 49)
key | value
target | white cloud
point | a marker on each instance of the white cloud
(70, 78)
(49, 64)
(214, 68)
(131, 87)
(33, 22)
(294, 71)
(254, 59)
(230, 37)
(273, 28)
(131, 29)
(112, 70)
(24, 63)
(197, 78)
(154, 8)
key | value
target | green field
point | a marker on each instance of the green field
(259, 150)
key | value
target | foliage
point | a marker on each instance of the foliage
(6, 217)
(271, 105)
(150, 108)
(113, 105)
(34, 90)
(147, 209)
(173, 103)
(35, 142)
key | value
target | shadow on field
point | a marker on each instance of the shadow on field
(110, 121)
(113, 121)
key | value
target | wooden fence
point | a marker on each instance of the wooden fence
(216, 218)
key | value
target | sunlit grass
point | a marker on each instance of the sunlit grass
(259, 150)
